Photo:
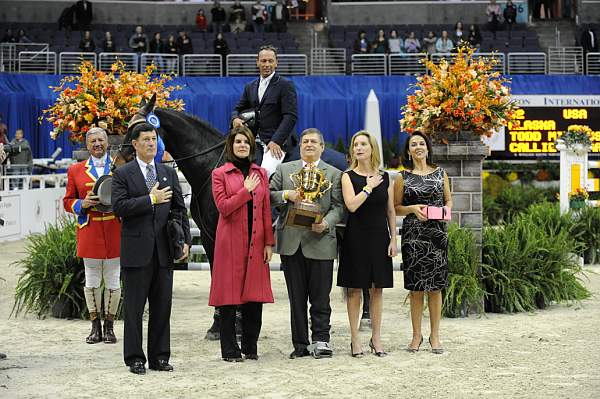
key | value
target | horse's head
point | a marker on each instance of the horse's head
(126, 151)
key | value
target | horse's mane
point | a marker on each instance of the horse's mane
(196, 122)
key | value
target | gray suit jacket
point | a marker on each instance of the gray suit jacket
(314, 246)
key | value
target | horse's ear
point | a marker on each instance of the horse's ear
(143, 103)
(152, 101)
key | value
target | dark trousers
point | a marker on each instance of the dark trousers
(154, 284)
(308, 280)
(251, 324)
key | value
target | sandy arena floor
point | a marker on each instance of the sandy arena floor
(553, 353)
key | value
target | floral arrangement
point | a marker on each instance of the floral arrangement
(463, 94)
(577, 135)
(105, 99)
(579, 194)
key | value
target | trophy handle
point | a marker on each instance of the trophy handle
(323, 191)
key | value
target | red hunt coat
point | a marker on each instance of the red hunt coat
(98, 233)
(239, 272)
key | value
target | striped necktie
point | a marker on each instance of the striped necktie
(150, 177)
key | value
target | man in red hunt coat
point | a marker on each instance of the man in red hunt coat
(98, 236)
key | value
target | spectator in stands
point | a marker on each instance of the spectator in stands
(171, 48)
(510, 15)
(361, 45)
(157, 45)
(21, 160)
(221, 47)
(279, 17)
(238, 25)
(474, 38)
(201, 23)
(3, 132)
(395, 44)
(444, 44)
(459, 37)
(22, 37)
(218, 17)
(547, 6)
(83, 14)
(412, 44)
(567, 8)
(259, 16)
(108, 44)
(87, 43)
(238, 11)
(493, 13)
(589, 41)
(138, 41)
(429, 42)
(184, 43)
(380, 44)
(9, 37)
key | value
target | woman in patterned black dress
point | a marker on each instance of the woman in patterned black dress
(424, 242)
(369, 239)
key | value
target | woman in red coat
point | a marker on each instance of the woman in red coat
(243, 245)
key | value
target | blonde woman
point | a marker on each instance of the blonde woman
(369, 239)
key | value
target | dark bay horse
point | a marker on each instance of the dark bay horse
(198, 148)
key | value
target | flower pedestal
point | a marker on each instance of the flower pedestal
(463, 161)
(573, 171)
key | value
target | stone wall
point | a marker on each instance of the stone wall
(463, 164)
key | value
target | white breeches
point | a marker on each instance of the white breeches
(96, 269)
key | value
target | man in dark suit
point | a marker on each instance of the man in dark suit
(307, 253)
(83, 14)
(273, 99)
(146, 195)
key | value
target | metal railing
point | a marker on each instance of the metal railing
(369, 64)
(36, 62)
(130, 60)
(292, 64)
(565, 60)
(500, 66)
(68, 63)
(202, 65)
(241, 65)
(407, 64)
(527, 63)
(592, 64)
(9, 54)
(165, 63)
(328, 61)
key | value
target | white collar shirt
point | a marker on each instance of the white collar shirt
(263, 84)
(99, 165)
(143, 166)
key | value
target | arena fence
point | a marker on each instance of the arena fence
(527, 63)
(9, 54)
(68, 63)
(287, 64)
(165, 63)
(565, 61)
(328, 61)
(592, 62)
(37, 62)
(407, 64)
(202, 65)
(369, 64)
(129, 60)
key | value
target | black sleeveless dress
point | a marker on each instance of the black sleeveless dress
(424, 244)
(364, 262)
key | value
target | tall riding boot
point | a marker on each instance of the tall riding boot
(96, 333)
(111, 305)
(93, 298)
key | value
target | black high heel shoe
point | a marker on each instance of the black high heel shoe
(378, 354)
(413, 350)
(436, 351)
(358, 355)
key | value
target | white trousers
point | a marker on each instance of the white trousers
(95, 269)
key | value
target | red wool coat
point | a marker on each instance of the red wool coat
(98, 234)
(239, 272)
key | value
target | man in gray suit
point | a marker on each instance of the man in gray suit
(307, 254)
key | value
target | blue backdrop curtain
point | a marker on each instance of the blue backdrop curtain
(333, 104)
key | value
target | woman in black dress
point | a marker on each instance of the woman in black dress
(369, 239)
(424, 242)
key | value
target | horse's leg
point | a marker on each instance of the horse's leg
(212, 334)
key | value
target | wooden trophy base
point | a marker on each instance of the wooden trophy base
(304, 214)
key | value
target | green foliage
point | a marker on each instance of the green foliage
(51, 272)
(512, 201)
(587, 230)
(493, 185)
(527, 267)
(464, 289)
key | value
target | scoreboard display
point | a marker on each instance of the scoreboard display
(543, 119)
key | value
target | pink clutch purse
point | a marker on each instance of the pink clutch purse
(438, 213)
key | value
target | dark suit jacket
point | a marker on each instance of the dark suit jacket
(586, 41)
(84, 15)
(276, 114)
(143, 225)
